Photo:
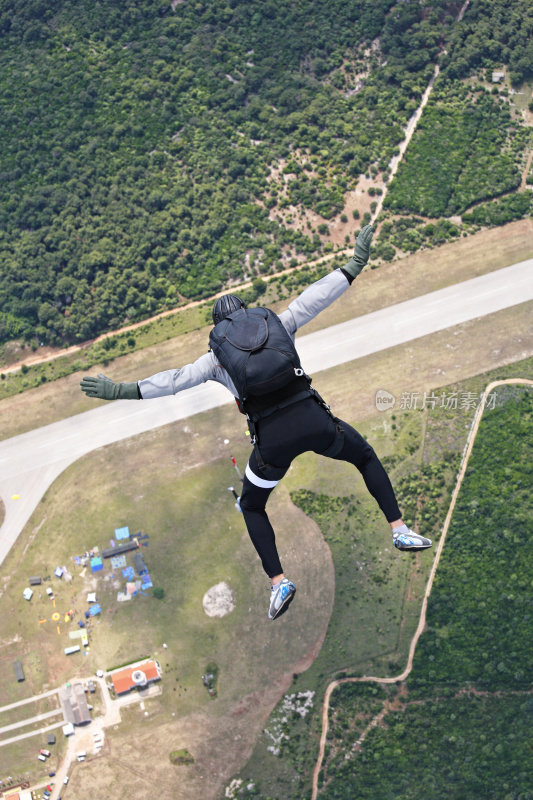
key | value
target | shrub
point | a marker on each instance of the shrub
(179, 757)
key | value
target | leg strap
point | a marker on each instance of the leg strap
(269, 472)
(338, 441)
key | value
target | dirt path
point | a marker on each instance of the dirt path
(525, 172)
(422, 621)
(410, 129)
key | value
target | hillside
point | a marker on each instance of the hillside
(157, 151)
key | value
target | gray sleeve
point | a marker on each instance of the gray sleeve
(172, 381)
(313, 300)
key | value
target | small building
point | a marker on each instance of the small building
(124, 680)
(498, 75)
(119, 549)
(27, 593)
(36, 581)
(91, 597)
(58, 572)
(19, 671)
(50, 738)
(74, 704)
(68, 729)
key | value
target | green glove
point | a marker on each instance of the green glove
(106, 389)
(361, 252)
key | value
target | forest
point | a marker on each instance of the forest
(467, 705)
(144, 143)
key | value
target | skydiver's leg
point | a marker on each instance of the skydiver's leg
(358, 452)
(282, 436)
(257, 486)
(255, 493)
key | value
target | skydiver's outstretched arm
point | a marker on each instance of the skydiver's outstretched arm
(169, 382)
(322, 293)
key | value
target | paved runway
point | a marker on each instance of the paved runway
(29, 463)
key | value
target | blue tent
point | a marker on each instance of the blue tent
(146, 582)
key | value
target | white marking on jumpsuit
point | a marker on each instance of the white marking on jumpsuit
(257, 481)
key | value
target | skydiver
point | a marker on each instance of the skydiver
(285, 414)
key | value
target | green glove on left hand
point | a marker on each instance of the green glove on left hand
(361, 252)
(106, 389)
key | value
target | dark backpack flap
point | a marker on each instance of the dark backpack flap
(247, 329)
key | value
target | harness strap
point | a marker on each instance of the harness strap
(331, 452)
(274, 473)
(338, 441)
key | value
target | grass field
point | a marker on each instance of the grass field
(19, 760)
(197, 539)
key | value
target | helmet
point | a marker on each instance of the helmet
(225, 306)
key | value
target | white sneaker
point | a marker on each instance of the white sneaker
(410, 540)
(280, 598)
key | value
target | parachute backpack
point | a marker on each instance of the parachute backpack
(260, 357)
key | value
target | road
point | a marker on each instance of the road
(29, 463)
(30, 720)
(27, 700)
